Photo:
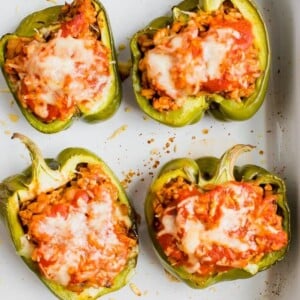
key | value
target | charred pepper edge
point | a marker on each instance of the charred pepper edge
(43, 19)
(207, 167)
(13, 187)
(216, 105)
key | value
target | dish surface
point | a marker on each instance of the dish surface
(135, 147)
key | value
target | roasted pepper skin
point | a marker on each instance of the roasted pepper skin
(45, 175)
(47, 18)
(211, 170)
(195, 107)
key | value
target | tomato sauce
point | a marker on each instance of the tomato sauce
(228, 226)
(79, 232)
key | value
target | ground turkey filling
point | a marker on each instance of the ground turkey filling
(212, 52)
(57, 72)
(80, 233)
(230, 226)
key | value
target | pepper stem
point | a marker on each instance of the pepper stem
(224, 172)
(43, 178)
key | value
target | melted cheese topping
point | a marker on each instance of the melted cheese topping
(63, 72)
(79, 234)
(195, 232)
(186, 63)
(168, 63)
(86, 234)
(159, 66)
(224, 220)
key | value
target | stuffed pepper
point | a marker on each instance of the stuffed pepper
(208, 56)
(71, 222)
(210, 221)
(60, 64)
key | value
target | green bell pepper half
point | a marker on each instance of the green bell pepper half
(207, 171)
(47, 175)
(195, 107)
(48, 19)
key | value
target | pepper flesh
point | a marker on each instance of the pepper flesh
(194, 107)
(17, 196)
(43, 26)
(209, 175)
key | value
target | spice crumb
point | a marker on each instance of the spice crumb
(118, 131)
(150, 141)
(127, 178)
(135, 289)
(122, 47)
(156, 164)
(127, 109)
(14, 118)
(154, 151)
(261, 152)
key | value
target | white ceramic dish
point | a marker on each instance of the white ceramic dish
(132, 152)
